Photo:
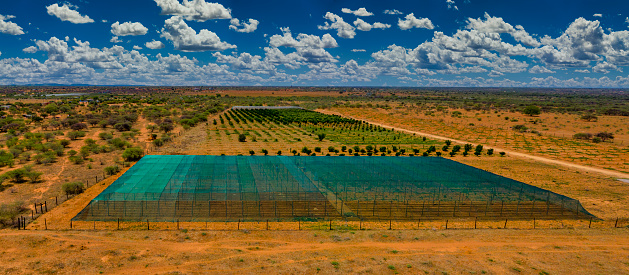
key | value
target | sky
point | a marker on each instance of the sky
(414, 43)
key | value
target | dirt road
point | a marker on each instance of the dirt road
(605, 172)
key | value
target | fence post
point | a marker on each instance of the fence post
(590, 225)
(148, 227)
(267, 224)
(616, 224)
(506, 223)
(330, 224)
(70, 224)
(389, 224)
(475, 220)
(46, 206)
(533, 223)
(45, 225)
(35, 204)
(118, 223)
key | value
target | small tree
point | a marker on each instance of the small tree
(133, 154)
(321, 136)
(34, 176)
(242, 138)
(490, 151)
(532, 110)
(73, 188)
(279, 153)
(265, 152)
(604, 136)
(112, 170)
(251, 152)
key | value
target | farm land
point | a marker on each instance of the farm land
(40, 139)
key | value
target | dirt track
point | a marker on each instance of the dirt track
(307, 252)
(510, 152)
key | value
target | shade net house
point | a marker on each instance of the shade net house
(288, 188)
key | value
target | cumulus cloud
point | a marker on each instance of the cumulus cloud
(197, 10)
(186, 39)
(136, 47)
(358, 12)
(128, 28)
(410, 22)
(302, 40)
(604, 67)
(31, 49)
(344, 29)
(65, 13)
(9, 27)
(498, 25)
(392, 12)
(358, 50)
(597, 15)
(114, 39)
(364, 26)
(540, 70)
(155, 45)
(246, 27)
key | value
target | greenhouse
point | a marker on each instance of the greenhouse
(228, 188)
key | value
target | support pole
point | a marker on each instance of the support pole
(475, 220)
(506, 223)
(446, 224)
(590, 225)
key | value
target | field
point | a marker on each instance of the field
(186, 122)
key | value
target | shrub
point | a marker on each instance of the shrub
(78, 126)
(73, 188)
(105, 136)
(520, 128)
(112, 170)
(6, 158)
(122, 127)
(242, 138)
(76, 134)
(502, 154)
(64, 142)
(490, 152)
(265, 152)
(317, 149)
(133, 154)
(251, 152)
(158, 142)
(468, 147)
(448, 142)
(589, 117)
(118, 143)
(279, 153)
(321, 136)
(16, 175)
(532, 110)
(76, 159)
(582, 136)
(605, 136)
(34, 176)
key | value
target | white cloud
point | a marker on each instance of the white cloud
(136, 47)
(627, 20)
(114, 39)
(583, 71)
(498, 25)
(410, 22)
(31, 49)
(358, 12)
(597, 15)
(66, 14)
(392, 12)
(540, 70)
(303, 40)
(246, 27)
(358, 50)
(246, 62)
(604, 67)
(104, 21)
(364, 26)
(451, 4)
(155, 45)
(9, 27)
(344, 29)
(186, 39)
(197, 10)
(128, 28)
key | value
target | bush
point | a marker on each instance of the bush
(582, 136)
(122, 127)
(73, 188)
(251, 152)
(105, 136)
(605, 136)
(532, 110)
(8, 212)
(520, 128)
(76, 159)
(490, 152)
(317, 149)
(133, 154)
(112, 170)
(242, 138)
(502, 154)
(34, 176)
(158, 142)
(6, 158)
(16, 175)
(321, 136)
(76, 134)
(265, 152)
(589, 117)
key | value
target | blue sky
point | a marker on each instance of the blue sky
(323, 43)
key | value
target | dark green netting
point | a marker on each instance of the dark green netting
(208, 188)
